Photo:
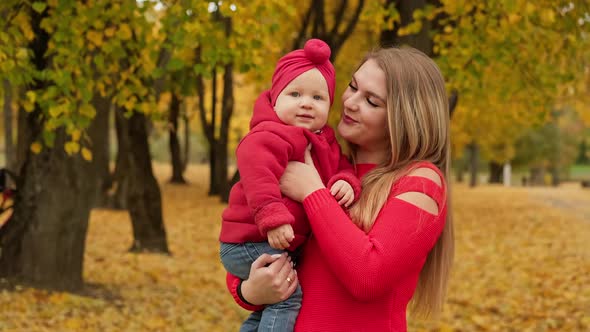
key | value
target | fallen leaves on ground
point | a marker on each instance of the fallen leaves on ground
(522, 264)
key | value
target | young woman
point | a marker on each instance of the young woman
(359, 270)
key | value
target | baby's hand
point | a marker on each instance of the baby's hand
(280, 237)
(343, 192)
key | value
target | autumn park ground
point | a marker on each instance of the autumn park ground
(522, 264)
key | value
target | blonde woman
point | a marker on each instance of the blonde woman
(394, 249)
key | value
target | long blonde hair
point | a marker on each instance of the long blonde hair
(418, 124)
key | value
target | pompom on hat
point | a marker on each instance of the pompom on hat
(315, 54)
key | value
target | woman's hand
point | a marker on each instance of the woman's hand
(270, 284)
(300, 179)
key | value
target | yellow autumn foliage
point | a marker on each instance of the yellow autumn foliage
(522, 263)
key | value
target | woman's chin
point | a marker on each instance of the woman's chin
(347, 132)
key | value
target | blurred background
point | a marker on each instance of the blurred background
(120, 121)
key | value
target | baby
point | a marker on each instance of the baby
(287, 119)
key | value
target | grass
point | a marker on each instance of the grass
(580, 172)
(522, 262)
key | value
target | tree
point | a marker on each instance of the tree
(178, 165)
(314, 24)
(67, 62)
(35, 246)
(8, 136)
(507, 84)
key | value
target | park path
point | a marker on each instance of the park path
(570, 198)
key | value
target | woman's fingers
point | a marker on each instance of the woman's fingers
(266, 259)
(292, 284)
(285, 271)
(276, 266)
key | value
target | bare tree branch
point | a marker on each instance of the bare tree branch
(306, 19)
(339, 39)
(338, 17)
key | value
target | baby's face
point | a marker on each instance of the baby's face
(305, 101)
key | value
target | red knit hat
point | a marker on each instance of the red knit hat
(315, 54)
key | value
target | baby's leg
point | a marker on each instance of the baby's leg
(281, 316)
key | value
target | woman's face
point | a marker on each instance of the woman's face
(364, 113)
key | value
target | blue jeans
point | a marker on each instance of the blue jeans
(237, 259)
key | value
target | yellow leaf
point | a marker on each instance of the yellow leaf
(513, 18)
(76, 135)
(57, 298)
(28, 106)
(36, 147)
(22, 53)
(72, 147)
(125, 31)
(88, 111)
(530, 8)
(548, 15)
(130, 103)
(109, 32)
(74, 323)
(95, 37)
(86, 154)
(31, 96)
(101, 89)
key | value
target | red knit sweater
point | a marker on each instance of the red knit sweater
(357, 281)
(255, 202)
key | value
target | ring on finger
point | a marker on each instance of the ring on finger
(289, 280)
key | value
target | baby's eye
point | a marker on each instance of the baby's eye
(317, 97)
(294, 94)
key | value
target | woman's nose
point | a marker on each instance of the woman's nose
(351, 103)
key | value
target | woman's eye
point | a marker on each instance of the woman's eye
(294, 94)
(371, 103)
(352, 86)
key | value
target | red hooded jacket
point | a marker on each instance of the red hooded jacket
(256, 204)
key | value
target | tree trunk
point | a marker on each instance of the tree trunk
(459, 172)
(496, 171)
(235, 178)
(214, 183)
(473, 163)
(99, 136)
(213, 171)
(537, 177)
(507, 174)
(175, 156)
(555, 178)
(44, 243)
(420, 40)
(187, 140)
(10, 160)
(143, 196)
(117, 193)
(227, 108)
(22, 139)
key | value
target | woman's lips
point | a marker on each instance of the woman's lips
(348, 120)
